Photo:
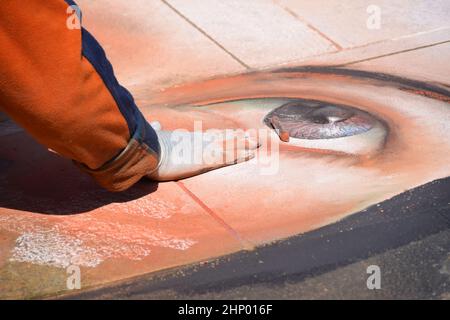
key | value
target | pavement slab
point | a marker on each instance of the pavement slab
(259, 32)
(346, 23)
(52, 217)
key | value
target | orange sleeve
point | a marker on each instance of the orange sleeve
(57, 83)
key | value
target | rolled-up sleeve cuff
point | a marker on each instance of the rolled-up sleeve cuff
(134, 162)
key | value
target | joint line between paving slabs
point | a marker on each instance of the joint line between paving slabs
(246, 245)
(310, 26)
(393, 53)
(206, 34)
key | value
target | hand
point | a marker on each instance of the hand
(186, 154)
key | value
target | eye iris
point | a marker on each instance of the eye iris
(329, 114)
(307, 119)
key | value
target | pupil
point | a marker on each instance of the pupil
(319, 119)
(329, 114)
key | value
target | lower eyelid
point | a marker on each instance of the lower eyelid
(367, 143)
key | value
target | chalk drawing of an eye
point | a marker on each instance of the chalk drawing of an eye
(327, 126)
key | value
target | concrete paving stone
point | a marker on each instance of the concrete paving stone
(345, 22)
(259, 32)
(379, 49)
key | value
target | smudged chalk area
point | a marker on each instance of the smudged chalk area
(86, 240)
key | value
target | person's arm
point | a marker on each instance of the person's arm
(57, 83)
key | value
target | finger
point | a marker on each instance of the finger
(238, 156)
(241, 140)
(244, 155)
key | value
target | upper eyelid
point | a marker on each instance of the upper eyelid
(216, 88)
(432, 90)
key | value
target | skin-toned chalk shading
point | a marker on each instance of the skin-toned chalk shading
(399, 144)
